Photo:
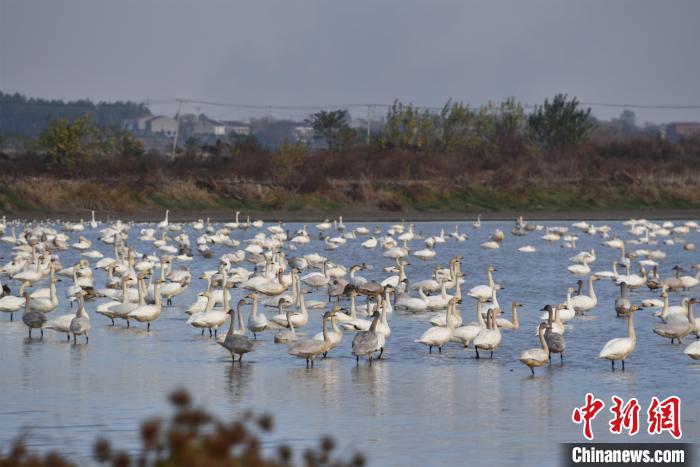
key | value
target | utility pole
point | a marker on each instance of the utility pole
(369, 123)
(177, 130)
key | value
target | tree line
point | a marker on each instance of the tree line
(457, 141)
(30, 116)
(560, 122)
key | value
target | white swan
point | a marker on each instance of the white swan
(582, 269)
(466, 334)
(61, 324)
(584, 303)
(678, 329)
(536, 357)
(514, 324)
(621, 347)
(80, 325)
(490, 337)
(148, 313)
(412, 304)
(257, 321)
(483, 292)
(335, 335)
(353, 323)
(46, 305)
(312, 348)
(299, 319)
(11, 304)
(670, 314)
(437, 336)
(693, 350)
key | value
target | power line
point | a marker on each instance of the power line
(385, 105)
(158, 102)
(641, 106)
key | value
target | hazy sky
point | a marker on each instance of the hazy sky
(299, 52)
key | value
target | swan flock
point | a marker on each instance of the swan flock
(258, 282)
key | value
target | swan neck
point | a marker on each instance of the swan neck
(375, 322)
(691, 315)
(241, 323)
(479, 317)
(230, 326)
(289, 321)
(326, 337)
(543, 341)
(449, 321)
(156, 294)
(353, 313)
(630, 326)
(254, 311)
(664, 310)
(591, 290)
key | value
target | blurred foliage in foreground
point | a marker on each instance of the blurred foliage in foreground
(192, 438)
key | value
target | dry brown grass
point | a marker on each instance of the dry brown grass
(610, 175)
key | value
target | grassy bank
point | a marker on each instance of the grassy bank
(130, 196)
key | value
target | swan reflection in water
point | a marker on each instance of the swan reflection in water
(238, 380)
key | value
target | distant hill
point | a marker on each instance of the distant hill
(20, 114)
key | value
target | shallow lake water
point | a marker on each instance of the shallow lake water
(409, 408)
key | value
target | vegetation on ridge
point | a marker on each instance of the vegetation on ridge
(494, 157)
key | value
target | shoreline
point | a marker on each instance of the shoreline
(221, 215)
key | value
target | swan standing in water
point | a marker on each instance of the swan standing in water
(466, 334)
(33, 319)
(80, 325)
(678, 329)
(490, 337)
(285, 336)
(622, 303)
(257, 321)
(555, 340)
(148, 313)
(536, 357)
(584, 303)
(621, 347)
(312, 348)
(11, 304)
(366, 343)
(437, 336)
(122, 310)
(335, 335)
(61, 324)
(46, 305)
(236, 344)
